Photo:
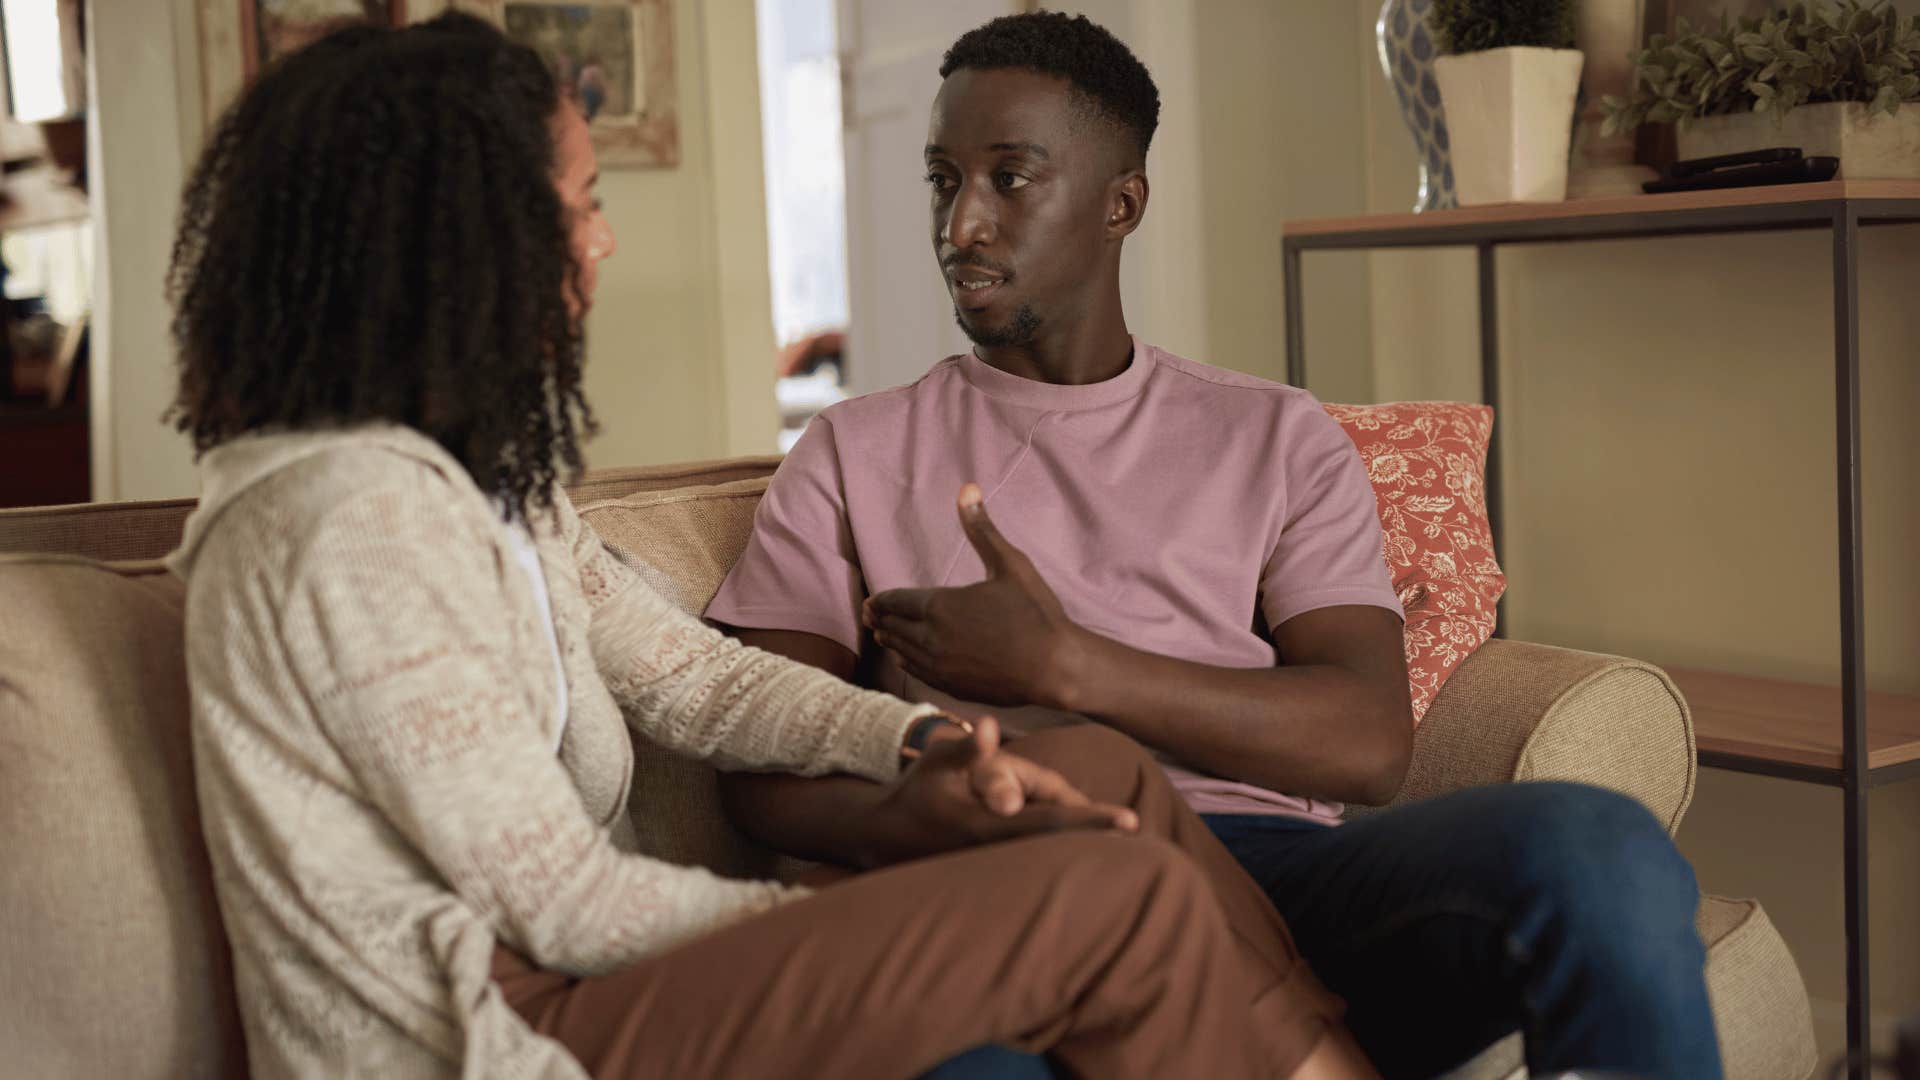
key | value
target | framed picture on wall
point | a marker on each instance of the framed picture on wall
(615, 57)
(238, 38)
(270, 29)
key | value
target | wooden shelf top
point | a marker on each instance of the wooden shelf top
(1794, 723)
(1529, 213)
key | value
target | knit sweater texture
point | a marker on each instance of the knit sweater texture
(373, 725)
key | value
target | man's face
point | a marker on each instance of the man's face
(1019, 173)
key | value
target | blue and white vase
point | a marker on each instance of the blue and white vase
(1407, 52)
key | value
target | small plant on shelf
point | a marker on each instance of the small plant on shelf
(1805, 53)
(1467, 26)
(1508, 82)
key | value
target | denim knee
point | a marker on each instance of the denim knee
(992, 1063)
(1602, 857)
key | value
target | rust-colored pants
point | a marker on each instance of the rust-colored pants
(1121, 956)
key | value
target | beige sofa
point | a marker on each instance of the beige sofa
(113, 956)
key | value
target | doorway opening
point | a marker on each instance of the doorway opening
(800, 109)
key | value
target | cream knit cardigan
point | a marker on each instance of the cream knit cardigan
(373, 698)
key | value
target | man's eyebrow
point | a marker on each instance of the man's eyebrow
(1000, 147)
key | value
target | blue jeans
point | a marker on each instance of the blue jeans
(1558, 910)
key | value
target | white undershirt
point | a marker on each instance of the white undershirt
(528, 557)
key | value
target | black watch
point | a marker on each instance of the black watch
(921, 731)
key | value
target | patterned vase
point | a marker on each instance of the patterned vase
(1407, 52)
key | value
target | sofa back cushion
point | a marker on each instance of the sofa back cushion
(683, 541)
(122, 531)
(115, 960)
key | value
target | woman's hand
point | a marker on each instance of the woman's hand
(966, 789)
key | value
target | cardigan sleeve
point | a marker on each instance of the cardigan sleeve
(397, 629)
(698, 692)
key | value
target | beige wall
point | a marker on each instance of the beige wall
(1202, 276)
(680, 342)
(134, 132)
(1280, 96)
(1672, 494)
(1669, 427)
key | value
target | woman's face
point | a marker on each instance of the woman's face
(575, 173)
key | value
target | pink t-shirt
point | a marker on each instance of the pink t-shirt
(1175, 507)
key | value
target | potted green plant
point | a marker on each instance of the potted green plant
(1508, 83)
(1827, 76)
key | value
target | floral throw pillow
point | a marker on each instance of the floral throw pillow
(1428, 464)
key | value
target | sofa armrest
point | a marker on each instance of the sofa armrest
(1520, 711)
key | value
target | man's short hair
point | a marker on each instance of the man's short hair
(1094, 62)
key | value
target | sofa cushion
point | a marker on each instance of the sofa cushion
(604, 484)
(107, 531)
(1521, 711)
(683, 541)
(115, 959)
(1428, 464)
(1760, 1007)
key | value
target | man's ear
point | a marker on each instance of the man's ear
(1126, 203)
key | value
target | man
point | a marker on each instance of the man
(1190, 556)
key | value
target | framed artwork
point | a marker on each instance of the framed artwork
(238, 38)
(615, 57)
(270, 29)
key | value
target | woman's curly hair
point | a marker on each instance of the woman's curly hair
(373, 233)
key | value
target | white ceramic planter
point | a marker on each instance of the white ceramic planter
(1510, 113)
(1869, 148)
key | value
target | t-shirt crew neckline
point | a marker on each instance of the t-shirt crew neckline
(1055, 397)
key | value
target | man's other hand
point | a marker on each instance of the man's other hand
(1002, 641)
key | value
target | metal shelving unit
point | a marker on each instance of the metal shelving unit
(1762, 726)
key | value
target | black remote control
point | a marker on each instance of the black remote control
(1792, 171)
(1694, 166)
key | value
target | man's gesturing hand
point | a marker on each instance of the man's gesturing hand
(1002, 641)
(966, 790)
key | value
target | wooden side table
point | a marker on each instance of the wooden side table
(1763, 726)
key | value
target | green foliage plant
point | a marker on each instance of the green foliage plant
(1466, 26)
(1806, 53)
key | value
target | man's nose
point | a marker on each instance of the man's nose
(969, 219)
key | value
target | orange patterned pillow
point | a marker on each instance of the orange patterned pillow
(1428, 464)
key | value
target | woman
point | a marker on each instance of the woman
(409, 662)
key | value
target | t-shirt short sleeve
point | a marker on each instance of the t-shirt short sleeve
(1330, 548)
(799, 570)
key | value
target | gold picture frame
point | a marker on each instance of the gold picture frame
(631, 90)
(239, 37)
(614, 56)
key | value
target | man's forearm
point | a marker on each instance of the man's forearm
(1321, 730)
(826, 819)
